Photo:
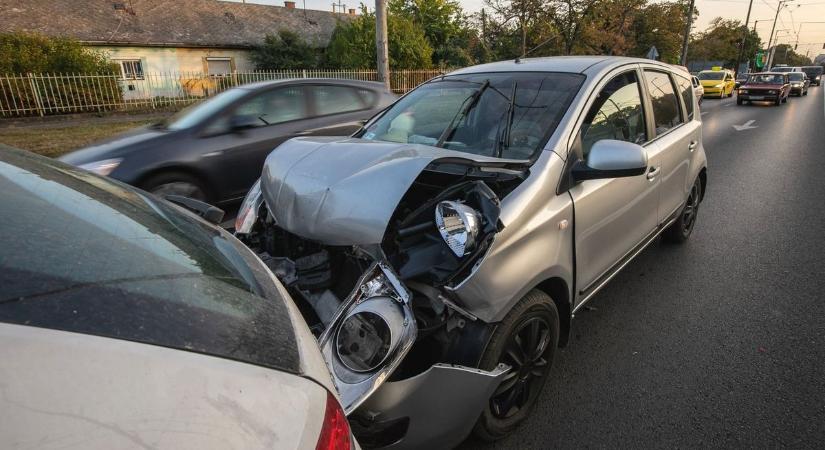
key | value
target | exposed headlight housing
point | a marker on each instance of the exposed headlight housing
(248, 214)
(458, 225)
(103, 167)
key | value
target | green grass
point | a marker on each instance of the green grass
(54, 140)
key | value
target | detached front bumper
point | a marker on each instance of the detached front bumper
(435, 409)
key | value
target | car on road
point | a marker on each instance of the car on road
(799, 83)
(765, 87)
(215, 150)
(717, 82)
(785, 69)
(814, 73)
(741, 78)
(128, 322)
(698, 89)
(440, 253)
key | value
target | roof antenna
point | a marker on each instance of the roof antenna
(518, 58)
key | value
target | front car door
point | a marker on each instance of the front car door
(677, 136)
(612, 216)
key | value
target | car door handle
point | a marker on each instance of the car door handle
(692, 145)
(652, 172)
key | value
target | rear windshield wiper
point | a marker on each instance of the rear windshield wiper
(466, 106)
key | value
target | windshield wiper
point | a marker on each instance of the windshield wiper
(466, 106)
(504, 140)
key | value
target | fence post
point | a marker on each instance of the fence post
(304, 71)
(37, 102)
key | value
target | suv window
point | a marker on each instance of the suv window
(616, 114)
(275, 106)
(336, 99)
(665, 103)
(687, 95)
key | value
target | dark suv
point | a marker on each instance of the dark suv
(814, 74)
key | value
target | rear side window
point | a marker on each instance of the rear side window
(665, 103)
(275, 106)
(336, 99)
(368, 97)
(616, 114)
(686, 90)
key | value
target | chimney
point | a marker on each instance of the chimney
(289, 4)
(352, 11)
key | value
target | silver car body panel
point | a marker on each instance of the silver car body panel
(442, 404)
(344, 191)
(71, 390)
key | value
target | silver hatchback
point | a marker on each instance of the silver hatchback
(440, 253)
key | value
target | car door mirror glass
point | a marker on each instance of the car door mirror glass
(611, 158)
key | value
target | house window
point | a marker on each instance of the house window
(219, 66)
(132, 69)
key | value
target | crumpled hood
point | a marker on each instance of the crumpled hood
(344, 191)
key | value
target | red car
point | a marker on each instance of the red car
(767, 86)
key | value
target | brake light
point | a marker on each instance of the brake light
(335, 434)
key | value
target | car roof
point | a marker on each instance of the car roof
(296, 81)
(571, 64)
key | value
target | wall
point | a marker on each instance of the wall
(186, 61)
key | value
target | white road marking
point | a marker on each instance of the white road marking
(703, 113)
(746, 126)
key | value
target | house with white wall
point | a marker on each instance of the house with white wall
(146, 37)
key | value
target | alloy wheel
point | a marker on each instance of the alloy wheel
(691, 208)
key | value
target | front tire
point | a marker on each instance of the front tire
(526, 340)
(681, 229)
(176, 183)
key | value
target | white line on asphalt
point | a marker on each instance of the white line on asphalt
(703, 113)
(746, 126)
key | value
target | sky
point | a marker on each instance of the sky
(794, 20)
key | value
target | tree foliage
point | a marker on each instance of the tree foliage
(721, 41)
(29, 52)
(785, 54)
(352, 45)
(287, 50)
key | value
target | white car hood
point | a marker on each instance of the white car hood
(343, 191)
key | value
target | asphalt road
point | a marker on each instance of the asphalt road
(720, 342)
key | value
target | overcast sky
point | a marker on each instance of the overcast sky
(792, 19)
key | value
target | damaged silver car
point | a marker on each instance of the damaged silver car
(440, 253)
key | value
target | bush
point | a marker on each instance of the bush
(28, 52)
(287, 50)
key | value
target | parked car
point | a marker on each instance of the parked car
(767, 86)
(127, 322)
(698, 89)
(814, 73)
(799, 83)
(434, 252)
(717, 82)
(215, 150)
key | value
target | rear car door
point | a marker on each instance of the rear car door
(612, 216)
(339, 110)
(271, 117)
(677, 136)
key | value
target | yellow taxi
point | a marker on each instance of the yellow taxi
(717, 82)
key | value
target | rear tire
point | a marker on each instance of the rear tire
(681, 229)
(176, 183)
(528, 334)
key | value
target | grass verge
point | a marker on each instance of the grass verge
(54, 141)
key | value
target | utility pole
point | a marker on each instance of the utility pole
(744, 38)
(687, 34)
(782, 4)
(382, 52)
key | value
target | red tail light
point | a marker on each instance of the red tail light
(335, 434)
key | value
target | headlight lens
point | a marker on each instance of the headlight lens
(719, 86)
(104, 167)
(248, 214)
(458, 225)
(743, 91)
(771, 92)
(363, 341)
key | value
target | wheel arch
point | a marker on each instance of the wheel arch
(558, 290)
(703, 178)
(187, 170)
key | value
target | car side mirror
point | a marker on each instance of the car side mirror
(244, 122)
(610, 158)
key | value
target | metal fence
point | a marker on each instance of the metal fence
(64, 93)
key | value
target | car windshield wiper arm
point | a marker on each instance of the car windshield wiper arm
(466, 106)
(504, 141)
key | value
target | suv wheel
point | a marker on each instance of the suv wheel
(680, 230)
(526, 340)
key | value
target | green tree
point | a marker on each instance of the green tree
(287, 50)
(445, 26)
(352, 45)
(785, 54)
(661, 25)
(30, 52)
(721, 42)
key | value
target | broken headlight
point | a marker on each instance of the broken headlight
(458, 225)
(248, 214)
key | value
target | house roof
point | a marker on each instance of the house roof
(178, 23)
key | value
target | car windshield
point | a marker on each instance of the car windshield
(766, 79)
(782, 69)
(506, 115)
(796, 76)
(100, 258)
(711, 75)
(199, 112)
